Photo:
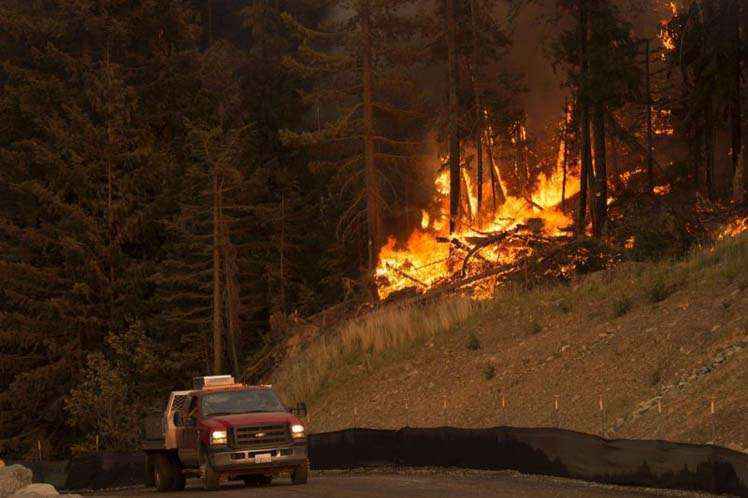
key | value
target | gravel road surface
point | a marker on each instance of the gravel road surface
(422, 483)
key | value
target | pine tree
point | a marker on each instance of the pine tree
(78, 177)
(708, 60)
(600, 60)
(354, 66)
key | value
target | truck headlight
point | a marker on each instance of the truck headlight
(218, 438)
(297, 431)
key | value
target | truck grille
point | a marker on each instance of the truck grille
(261, 435)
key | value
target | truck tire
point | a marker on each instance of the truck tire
(211, 479)
(300, 475)
(149, 465)
(180, 482)
(164, 473)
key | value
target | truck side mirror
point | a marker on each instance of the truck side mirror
(177, 419)
(300, 410)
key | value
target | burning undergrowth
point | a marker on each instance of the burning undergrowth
(488, 244)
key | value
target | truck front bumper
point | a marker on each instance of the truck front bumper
(238, 461)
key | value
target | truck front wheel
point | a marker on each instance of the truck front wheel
(300, 475)
(211, 478)
(164, 473)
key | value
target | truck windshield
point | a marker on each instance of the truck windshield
(230, 402)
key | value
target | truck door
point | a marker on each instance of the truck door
(188, 435)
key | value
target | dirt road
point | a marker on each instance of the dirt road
(415, 484)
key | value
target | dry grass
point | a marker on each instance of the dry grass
(389, 332)
(630, 334)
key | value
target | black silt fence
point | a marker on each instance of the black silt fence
(555, 452)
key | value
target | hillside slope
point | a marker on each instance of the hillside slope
(644, 337)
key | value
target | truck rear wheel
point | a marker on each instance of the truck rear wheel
(164, 473)
(300, 475)
(180, 482)
(149, 471)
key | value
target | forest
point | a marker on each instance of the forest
(183, 182)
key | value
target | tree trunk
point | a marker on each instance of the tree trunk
(712, 33)
(649, 159)
(217, 290)
(565, 157)
(282, 251)
(232, 301)
(709, 139)
(584, 123)
(497, 192)
(454, 140)
(110, 184)
(736, 109)
(744, 147)
(372, 181)
(601, 172)
(478, 131)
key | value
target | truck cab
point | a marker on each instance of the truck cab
(222, 430)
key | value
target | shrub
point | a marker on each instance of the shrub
(621, 306)
(743, 282)
(564, 306)
(489, 372)
(658, 291)
(473, 344)
(535, 327)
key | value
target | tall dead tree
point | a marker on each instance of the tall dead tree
(601, 172)
(735, 97)
(216, 249)
(736, 108)
(454, 139)
(744, 142)
(710, 126)
(372, 183)
(479, 117)
(565, 158)
(231, 271)
(648, 89)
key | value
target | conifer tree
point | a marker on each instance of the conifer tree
(353, 65)
(476, 105)
(78, 175)
(599, 56)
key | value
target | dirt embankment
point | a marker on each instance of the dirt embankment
(657, 345)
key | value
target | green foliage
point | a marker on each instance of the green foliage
(111, 118)
(489, 371)
(658, 290)
(112, 394)
(563, 306)
(473, 344)
(621, 306)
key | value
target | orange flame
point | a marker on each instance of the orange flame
(423, 260)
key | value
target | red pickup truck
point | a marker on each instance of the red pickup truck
(222, 430)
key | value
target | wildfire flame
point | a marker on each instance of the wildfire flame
(734, 228)
(424, 259)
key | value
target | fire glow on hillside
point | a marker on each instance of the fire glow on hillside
(429, 257)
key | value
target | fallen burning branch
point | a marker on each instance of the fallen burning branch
(406, 276)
